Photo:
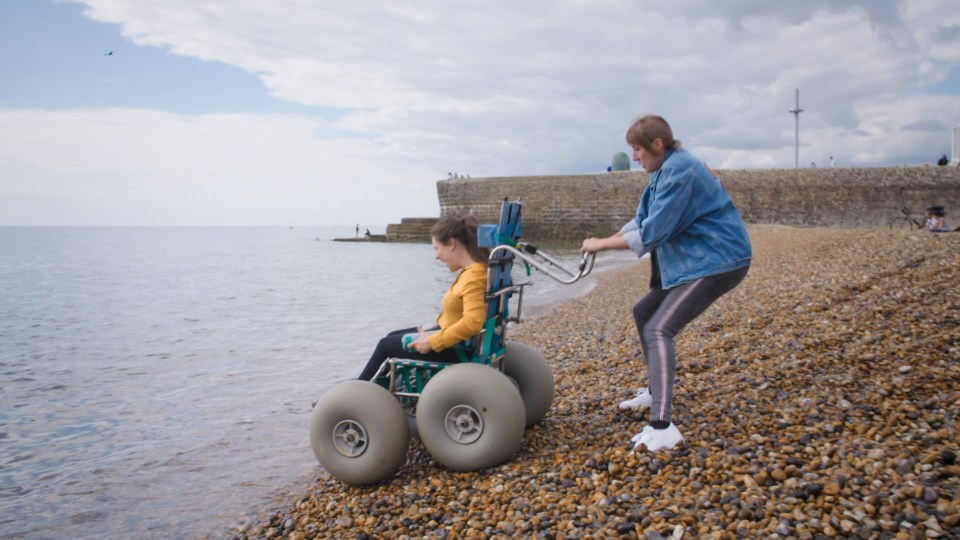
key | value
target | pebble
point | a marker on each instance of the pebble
(817, 399)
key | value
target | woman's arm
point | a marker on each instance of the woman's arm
(627, 238)
(593, 245)
(471, 322)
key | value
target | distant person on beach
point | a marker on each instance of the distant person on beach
(464, 307)
(699, 250)
(358, 230)
(943, 161)
(833, 162)
(936, 219)
(367, 233)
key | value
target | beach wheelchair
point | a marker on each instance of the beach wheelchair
(469, 415)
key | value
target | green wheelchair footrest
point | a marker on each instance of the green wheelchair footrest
(414, 374)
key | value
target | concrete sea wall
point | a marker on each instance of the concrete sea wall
(569, 208)
(411, 230)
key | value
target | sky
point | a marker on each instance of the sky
(291, 112)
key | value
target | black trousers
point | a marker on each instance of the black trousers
(391, 346)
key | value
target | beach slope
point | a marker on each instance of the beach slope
(818, 398)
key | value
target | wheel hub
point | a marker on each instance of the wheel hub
(463, 424)
(349, 438)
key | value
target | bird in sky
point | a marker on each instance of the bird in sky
(108, 53)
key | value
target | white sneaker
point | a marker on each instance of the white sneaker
(657, 439)
(643, 400)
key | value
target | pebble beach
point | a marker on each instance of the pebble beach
(821, 398)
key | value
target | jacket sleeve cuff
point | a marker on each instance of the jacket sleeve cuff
(436, 342)
(632, 237)
(631, 225)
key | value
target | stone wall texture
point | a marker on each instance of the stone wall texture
(410, 230)
(570, 208)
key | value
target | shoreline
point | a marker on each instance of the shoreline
(819, 397)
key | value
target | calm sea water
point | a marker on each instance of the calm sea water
(157, 381)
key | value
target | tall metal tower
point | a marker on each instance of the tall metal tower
(795, 111)
(956, 146)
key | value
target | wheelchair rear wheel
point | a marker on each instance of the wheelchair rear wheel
(529, 369)
(470, 416)
(359, 433)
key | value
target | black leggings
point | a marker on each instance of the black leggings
(660, 316)
(391, 346)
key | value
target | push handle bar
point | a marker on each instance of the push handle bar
(585, 267)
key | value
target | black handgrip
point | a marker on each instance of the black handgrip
(530, 248)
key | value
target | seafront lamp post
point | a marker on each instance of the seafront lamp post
(795, 111)
(955, 158)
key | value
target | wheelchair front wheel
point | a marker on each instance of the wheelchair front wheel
(470, 417)
(529, 369)
(359, 432)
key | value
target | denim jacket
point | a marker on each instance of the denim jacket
(688, 218)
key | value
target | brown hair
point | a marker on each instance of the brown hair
(647, 129)
(464, 230)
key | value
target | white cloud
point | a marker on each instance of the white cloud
(508, 88)
(935, 27)
(593, 62)
(147, 168)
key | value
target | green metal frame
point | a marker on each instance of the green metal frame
(407, 378)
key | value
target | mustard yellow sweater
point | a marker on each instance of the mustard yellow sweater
(464, 309)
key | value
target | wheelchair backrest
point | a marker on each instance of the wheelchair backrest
(499, 273)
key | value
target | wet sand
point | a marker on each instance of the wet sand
(818, 399)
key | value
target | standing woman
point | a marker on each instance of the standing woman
(699, 250)
(464, 307)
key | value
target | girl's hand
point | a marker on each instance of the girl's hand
(422, 343)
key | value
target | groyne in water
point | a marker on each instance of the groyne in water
(569, 208)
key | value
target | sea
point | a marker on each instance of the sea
(157, 382)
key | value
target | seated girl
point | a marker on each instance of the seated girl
(936, 219)
(464, 307)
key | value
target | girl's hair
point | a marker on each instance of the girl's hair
(648, 128)
(464, 229)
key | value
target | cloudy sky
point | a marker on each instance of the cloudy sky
(334, 112)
